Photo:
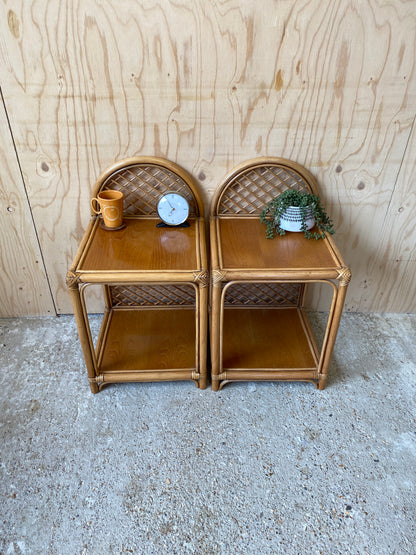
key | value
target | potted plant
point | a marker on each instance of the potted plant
(296, 211)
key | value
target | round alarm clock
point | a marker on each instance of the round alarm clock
(173, 209)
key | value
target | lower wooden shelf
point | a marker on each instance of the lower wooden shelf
(268, 340)
(145, 344)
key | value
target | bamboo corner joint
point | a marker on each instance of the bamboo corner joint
(344, 276)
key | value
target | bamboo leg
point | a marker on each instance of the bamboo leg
(203, 323)
(216, 334)
(334, 325)
(82, 332)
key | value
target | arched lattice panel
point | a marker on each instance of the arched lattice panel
(143, 184)
(248, 191)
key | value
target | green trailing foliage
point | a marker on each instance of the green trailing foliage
(275, 209)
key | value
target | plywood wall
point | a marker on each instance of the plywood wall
(209, 84)
(24, 287)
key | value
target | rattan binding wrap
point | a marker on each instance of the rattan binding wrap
(252, 185)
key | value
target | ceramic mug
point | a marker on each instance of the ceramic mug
(110, 204)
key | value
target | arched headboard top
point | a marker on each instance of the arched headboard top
(250, 186)
(143, 179)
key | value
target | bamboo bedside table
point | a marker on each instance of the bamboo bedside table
(155, 282)
(259, 326)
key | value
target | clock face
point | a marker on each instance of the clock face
(173, 209)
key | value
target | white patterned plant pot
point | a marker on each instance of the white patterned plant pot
(291, 219)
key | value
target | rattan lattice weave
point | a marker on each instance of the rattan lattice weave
(248, 191)
(143, 179)
(143, 184)
(172, 295)
(263, 294)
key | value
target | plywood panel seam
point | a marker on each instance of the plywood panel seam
(27, 198)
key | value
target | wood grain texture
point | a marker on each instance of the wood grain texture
(23, 285)
(137, 246)
(208, 84)
(391, 280)
(166, 341)
(249, 334)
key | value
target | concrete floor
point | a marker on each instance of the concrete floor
(259, 468)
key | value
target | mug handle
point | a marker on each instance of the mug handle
(92, 206)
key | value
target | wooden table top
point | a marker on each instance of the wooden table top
(141, 246)
(242, 244)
